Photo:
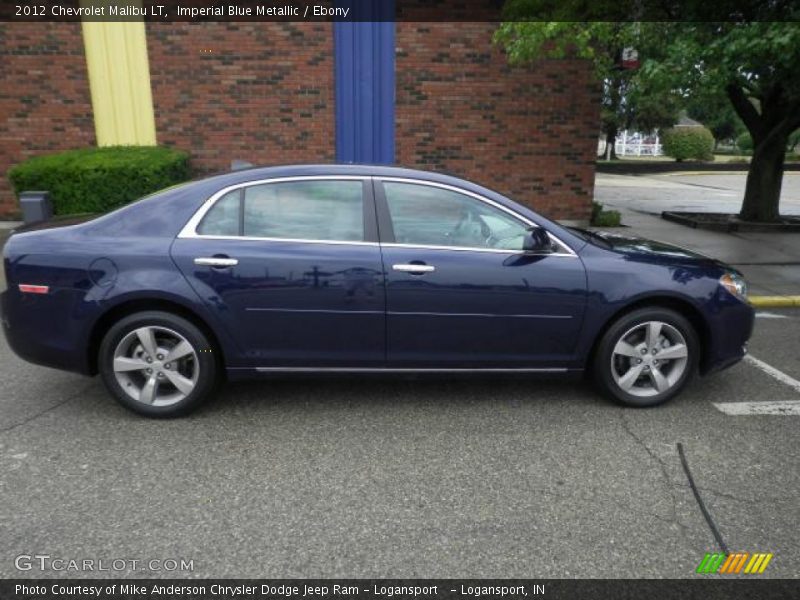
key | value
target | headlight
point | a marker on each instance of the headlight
(735, 284)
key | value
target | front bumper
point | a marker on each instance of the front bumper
(730, 329)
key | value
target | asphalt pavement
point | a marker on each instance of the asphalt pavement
(693, 192)
(398, 477)
(405, 477)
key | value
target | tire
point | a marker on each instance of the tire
(134, 362)
(640, 379)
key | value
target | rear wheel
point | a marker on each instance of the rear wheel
(647, 357)
(157, 364)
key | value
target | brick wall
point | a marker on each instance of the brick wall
(528, 132)
(45, 105)
(261, 92)
(265, 93)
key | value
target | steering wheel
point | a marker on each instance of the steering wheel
(472, 226)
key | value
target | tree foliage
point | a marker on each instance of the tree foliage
(757, 66)
(749, 55)
(627, 101)
(716, 113)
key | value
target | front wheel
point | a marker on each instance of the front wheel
(647, 357)
(157, 364)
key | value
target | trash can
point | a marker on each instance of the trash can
(36, 206)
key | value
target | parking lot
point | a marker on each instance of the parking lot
(409, 477)
(692, 192)
(396, 477)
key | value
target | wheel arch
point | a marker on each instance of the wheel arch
(135, 305)
(680, 305)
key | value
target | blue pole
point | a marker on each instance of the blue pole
(365, 76)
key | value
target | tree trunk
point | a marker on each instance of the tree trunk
(764, 178)
(770, 129)
(611, 140)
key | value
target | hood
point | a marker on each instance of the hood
(645, 249)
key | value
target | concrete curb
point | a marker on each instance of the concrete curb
(774, 301)
(742, 172)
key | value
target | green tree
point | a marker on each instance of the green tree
(626, 101)
(756, 64)
(753, 59)
(716, 112)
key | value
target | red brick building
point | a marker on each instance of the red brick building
(266, 93)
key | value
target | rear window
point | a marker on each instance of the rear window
(300, 210)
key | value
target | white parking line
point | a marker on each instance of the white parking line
(770, 315)
(773, 372)
(775, 407)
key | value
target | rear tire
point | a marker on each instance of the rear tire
(646, 357)
(158, 364)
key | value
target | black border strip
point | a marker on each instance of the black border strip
(405, 10)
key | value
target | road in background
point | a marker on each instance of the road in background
(769, 261)
(703, 192)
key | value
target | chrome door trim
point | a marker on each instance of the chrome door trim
(566, 251)
(408, 370)
(393, 313)
(189, 231)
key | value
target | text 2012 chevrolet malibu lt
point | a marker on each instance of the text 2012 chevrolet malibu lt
(360, 269)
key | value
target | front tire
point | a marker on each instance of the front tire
(647, 357)
(157, 364)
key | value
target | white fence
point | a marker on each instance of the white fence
(634, 144)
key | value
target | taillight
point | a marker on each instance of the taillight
(26, 288)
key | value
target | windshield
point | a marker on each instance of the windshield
(591, 236)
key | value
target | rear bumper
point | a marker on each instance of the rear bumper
(44, 329)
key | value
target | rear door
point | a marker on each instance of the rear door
(293, 270)
(461, 293)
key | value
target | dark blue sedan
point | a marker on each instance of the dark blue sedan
(317, 269)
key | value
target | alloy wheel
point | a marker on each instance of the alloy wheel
(649, 359)
(156, 366)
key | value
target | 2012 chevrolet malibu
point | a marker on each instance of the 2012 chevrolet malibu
(359, 269)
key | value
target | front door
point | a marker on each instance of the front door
(461, 293)
(293, 270)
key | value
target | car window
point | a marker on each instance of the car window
(223, 217)
(432, 216)
(307, 210)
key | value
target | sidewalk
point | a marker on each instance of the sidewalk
(770, 261)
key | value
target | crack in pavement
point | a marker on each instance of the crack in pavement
(662, 466)
(728, 496)
(46, 410)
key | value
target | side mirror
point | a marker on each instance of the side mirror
(537, 240)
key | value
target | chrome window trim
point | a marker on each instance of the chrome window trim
(565, 249)
(189, 230)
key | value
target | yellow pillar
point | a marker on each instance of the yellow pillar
(119, 79)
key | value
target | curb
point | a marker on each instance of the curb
(732, 172)
(679, 173)
(774, 301)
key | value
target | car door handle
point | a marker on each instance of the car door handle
(215, 261)
(414, 269)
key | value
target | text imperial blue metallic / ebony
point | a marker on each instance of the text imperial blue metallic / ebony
(359, 269)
